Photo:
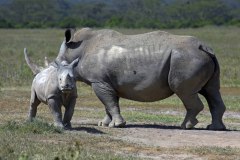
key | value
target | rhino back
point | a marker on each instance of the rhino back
(45, 83)
(111, 50)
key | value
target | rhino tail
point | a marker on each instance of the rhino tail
(215, 79)
(35, 68)
(207, 50)
(216, 74)
(210, 52)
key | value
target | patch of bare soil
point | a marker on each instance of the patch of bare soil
(156, 136)
(164, 136)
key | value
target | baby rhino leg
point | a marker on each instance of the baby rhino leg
(55, 107)
(69, 109)
(34, 102)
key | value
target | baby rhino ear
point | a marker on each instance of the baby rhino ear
(74, 63)
(56, 63)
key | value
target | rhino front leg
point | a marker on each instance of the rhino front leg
(106, 120)
(55, 107)
(69, 109)
(110, 100)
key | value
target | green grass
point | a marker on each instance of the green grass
(232, 102)
(39, 140)
(134, 116)
(40, 43)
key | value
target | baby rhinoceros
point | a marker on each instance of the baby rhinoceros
(55, 86)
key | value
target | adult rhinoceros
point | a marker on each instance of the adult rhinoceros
(146, 67)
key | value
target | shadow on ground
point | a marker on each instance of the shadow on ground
(88, 130)
(92, 127)
(156, 126)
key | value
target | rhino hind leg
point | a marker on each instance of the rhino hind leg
(216, 106)
(193, 106)
(211, 91)
(110, 100)
(34, 102)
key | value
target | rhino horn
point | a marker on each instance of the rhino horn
(35, 68)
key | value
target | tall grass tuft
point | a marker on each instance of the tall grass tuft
(36, 127)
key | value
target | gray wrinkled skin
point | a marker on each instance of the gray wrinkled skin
(146, 67)
(55, 86)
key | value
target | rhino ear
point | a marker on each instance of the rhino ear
(74, 63)
(69, 35)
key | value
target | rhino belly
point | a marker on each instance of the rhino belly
(144, 88)
(40, 94)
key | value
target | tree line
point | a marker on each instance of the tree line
(116, 13)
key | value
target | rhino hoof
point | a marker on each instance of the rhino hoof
(102, 124)
(59, 125)
(216, 127)
(117, 124)
(105, 121)
(189, 124)
(68, 126)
